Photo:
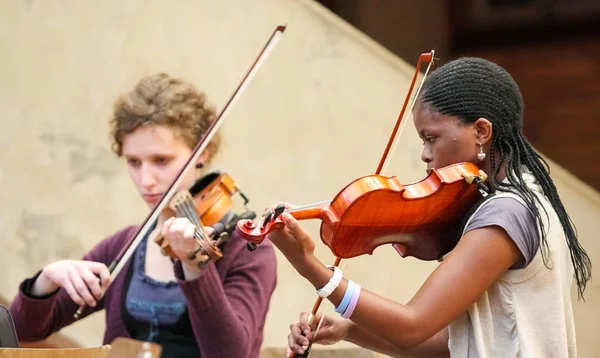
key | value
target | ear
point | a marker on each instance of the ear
(483, 128)
(202, 159)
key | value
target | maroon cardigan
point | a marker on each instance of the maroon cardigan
(227, 305)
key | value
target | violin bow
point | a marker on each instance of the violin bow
(427, 57)
(119, 262)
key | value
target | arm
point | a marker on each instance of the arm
(335, 329)
(41, 308)
(228, 315)
(479, 259)
(434, 347)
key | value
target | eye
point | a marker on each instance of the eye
(162, 160)
(133, 162)
(429, 139)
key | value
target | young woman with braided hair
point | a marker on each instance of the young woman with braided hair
(504, 290)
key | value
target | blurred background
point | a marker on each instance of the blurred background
(316, 116)
(550, 47)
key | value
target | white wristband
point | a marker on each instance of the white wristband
(333, 283)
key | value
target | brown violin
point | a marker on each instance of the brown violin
(419, 219)
(208, 203)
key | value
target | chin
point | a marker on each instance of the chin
(151, 204)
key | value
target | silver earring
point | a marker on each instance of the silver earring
(481, 154)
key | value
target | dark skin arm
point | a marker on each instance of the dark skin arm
(334, 329)
(479, 259)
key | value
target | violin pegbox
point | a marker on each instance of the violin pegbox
(255, 233)
(210, 247)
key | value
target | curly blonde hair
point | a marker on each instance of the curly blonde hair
(159, 99)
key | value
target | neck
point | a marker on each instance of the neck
(487, 168)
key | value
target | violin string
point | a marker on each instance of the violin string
(183, 210)
(410, 109)
(191, 214)
(302, 207)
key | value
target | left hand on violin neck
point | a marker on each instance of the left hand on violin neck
(180, 234)
(295, 243)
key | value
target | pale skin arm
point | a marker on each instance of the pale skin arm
(478, 260)
(82, 280)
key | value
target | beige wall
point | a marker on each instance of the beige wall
(316, 116)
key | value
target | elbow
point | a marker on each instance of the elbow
(409, 342)
(26, 334)
(233, 345)
(415, 333)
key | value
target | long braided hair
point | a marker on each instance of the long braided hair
(471, 88)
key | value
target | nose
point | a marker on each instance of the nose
(426, 155)
(148, 180)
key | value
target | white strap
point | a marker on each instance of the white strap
(333, 283)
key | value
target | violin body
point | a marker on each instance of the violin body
(420, 219)
(212, 196)
(205, 203)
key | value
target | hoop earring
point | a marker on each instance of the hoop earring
(481, 154)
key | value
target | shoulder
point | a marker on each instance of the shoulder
(510, 213)
(501, 207)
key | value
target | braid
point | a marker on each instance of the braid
(472, 88)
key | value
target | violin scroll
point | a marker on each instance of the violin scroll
(255, 233)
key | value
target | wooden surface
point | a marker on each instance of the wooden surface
(98, 352)
(119, 348)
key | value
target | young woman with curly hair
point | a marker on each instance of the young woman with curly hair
(214, 311)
